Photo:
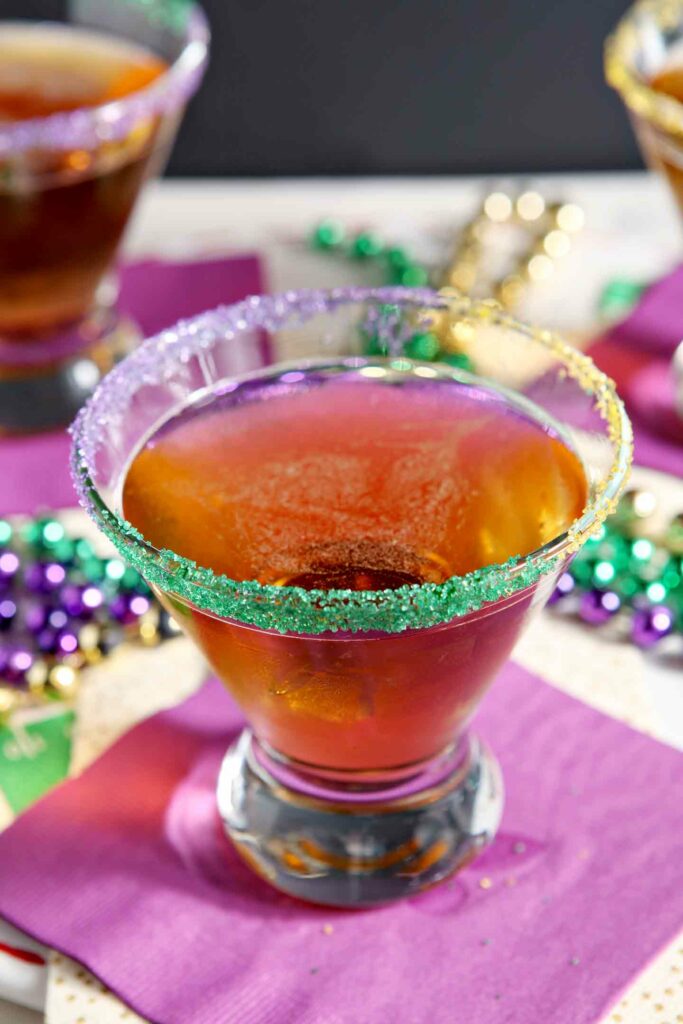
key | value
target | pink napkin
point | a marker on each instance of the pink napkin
(126, 869)
(637, 355)
(34, 470)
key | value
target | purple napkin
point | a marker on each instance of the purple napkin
(34, 470)
(126, 869)
(637, 354)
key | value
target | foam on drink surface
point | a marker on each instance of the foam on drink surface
(47, 68)
(348, 482)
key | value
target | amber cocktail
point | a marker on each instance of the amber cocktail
(355, 544)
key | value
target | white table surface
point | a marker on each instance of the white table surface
(631, 231)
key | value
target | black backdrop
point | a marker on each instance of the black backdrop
(401, 87)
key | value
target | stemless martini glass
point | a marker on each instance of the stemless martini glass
(357, 654)
(644, 63)
(90, 102)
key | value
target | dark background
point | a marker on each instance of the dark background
(401, 87)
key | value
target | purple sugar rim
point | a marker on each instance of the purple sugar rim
(89, 127)
(293, 609)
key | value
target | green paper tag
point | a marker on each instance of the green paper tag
(34, 757)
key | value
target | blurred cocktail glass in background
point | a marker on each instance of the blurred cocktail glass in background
(644, 63)
(89, 108)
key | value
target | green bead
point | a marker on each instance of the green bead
(422, 346)
(5, 532)
(373, 346)
(93, 569)
(582, 570)
(398, 259)
(84, 549)
(63, 551)
(642, 549)
(115, 569)
(619, 296)
(603, 573)
(627, 587)
(51, 532)
(413, 276)
(329, 234)
(457, 359)
(671, 576)
(131, 579)
(32, 533)
(656, 592)
(366, 246)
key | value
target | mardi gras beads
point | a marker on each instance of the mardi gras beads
(62, 608)
(626, 571)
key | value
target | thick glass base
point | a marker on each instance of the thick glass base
(364, 844)
(44, 382)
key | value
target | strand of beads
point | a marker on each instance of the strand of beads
(549, 227)
(62, 607)
(623, 574)
(398, 266)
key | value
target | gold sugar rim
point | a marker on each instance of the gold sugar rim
(664, 111)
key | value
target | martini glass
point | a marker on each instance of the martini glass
(357, 780)
(69, 179)
(644, 63)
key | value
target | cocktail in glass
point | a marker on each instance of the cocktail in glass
(644, 63)
(89, 107)
(355, 543)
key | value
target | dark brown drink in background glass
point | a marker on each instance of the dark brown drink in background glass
(62, 214)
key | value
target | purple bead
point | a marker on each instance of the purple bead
(67, 641)
(8, 611)
(127, 608)
(597, 606)
(650, 625)
(57, 618)
(18, 664)
(564, 586)
(35, 615)
(44, 577)
(47, 640)
(92, 598)
(71, 600)
(9, 563)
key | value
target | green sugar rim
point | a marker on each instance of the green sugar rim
(290, 609)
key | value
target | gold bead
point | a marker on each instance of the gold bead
(498, 207)
(530, 206)
(462, 333)
(63, 679)
(36, 677)
(570, 217)
(462, 277)
(540, 267)
(510, 289)
(634, 509)
(8, 701)
(557, 244)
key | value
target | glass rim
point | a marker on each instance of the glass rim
(89, 127)
(660, 109)
(309, 612)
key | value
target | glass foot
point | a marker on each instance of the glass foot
(44, 382)
(360, 846)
